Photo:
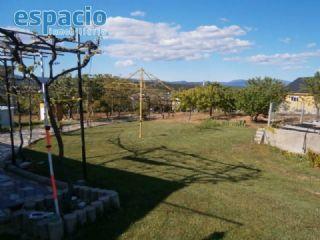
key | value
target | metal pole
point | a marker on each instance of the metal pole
(83, 143)
(141, 105)
(302, 113)
(13, 157)
(269, 114)
(48, 140)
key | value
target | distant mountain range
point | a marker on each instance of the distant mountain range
(239, 83)
(235, 83)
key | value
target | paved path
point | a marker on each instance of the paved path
(37, 133)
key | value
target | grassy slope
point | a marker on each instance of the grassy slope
(181, 182)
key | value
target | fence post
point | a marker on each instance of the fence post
(302, 113)
(269, 114)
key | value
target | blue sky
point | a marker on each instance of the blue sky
(200, 40)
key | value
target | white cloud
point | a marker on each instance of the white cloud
(311, 45)
(137, 39)
(124, 63)
(224, 19)
(285, 60)
(286, 40)
(138, 13)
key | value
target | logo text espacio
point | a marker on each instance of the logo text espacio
(62, 18)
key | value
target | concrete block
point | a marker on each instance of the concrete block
(5, 215)
(98, 205)
(81, 216)
(29, 205)
(91, 213)
(65, 194)
(76, 190)
(28, 191)
(106, 201)
(115, 201)
(40, 203)
(48, 202)
(7, 187)
(87, 194)
(55, 229)
(81, 204)
(41, 229)
(17, 219)
(82, 191)
(70, 223)
(27, 226)
(95, 192)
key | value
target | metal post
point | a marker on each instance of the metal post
(13, 157)
(48, 140)
(141, 105)
(302, 113)
(270, 113)
(83, 144)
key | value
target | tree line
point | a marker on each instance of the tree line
(254, 99)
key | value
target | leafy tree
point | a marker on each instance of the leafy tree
(93, 92)
(228, 99)
(209, 97)
(188, 100)
(259, 92)
(312, 85)
(64, 93)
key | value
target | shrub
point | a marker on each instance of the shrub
(211, 124)
(314, 158)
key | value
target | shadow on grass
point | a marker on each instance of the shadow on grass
(215, 236)
(194, 168)
(140, 193)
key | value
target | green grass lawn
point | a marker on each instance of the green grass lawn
(183, 182)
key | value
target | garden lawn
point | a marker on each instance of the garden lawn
(184, 182)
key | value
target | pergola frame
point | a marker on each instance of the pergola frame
(16, 50)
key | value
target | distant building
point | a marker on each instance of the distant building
(295, 102)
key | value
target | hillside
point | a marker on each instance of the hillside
(297, 85)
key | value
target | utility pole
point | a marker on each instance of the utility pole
(48, 140)
(141, 104)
